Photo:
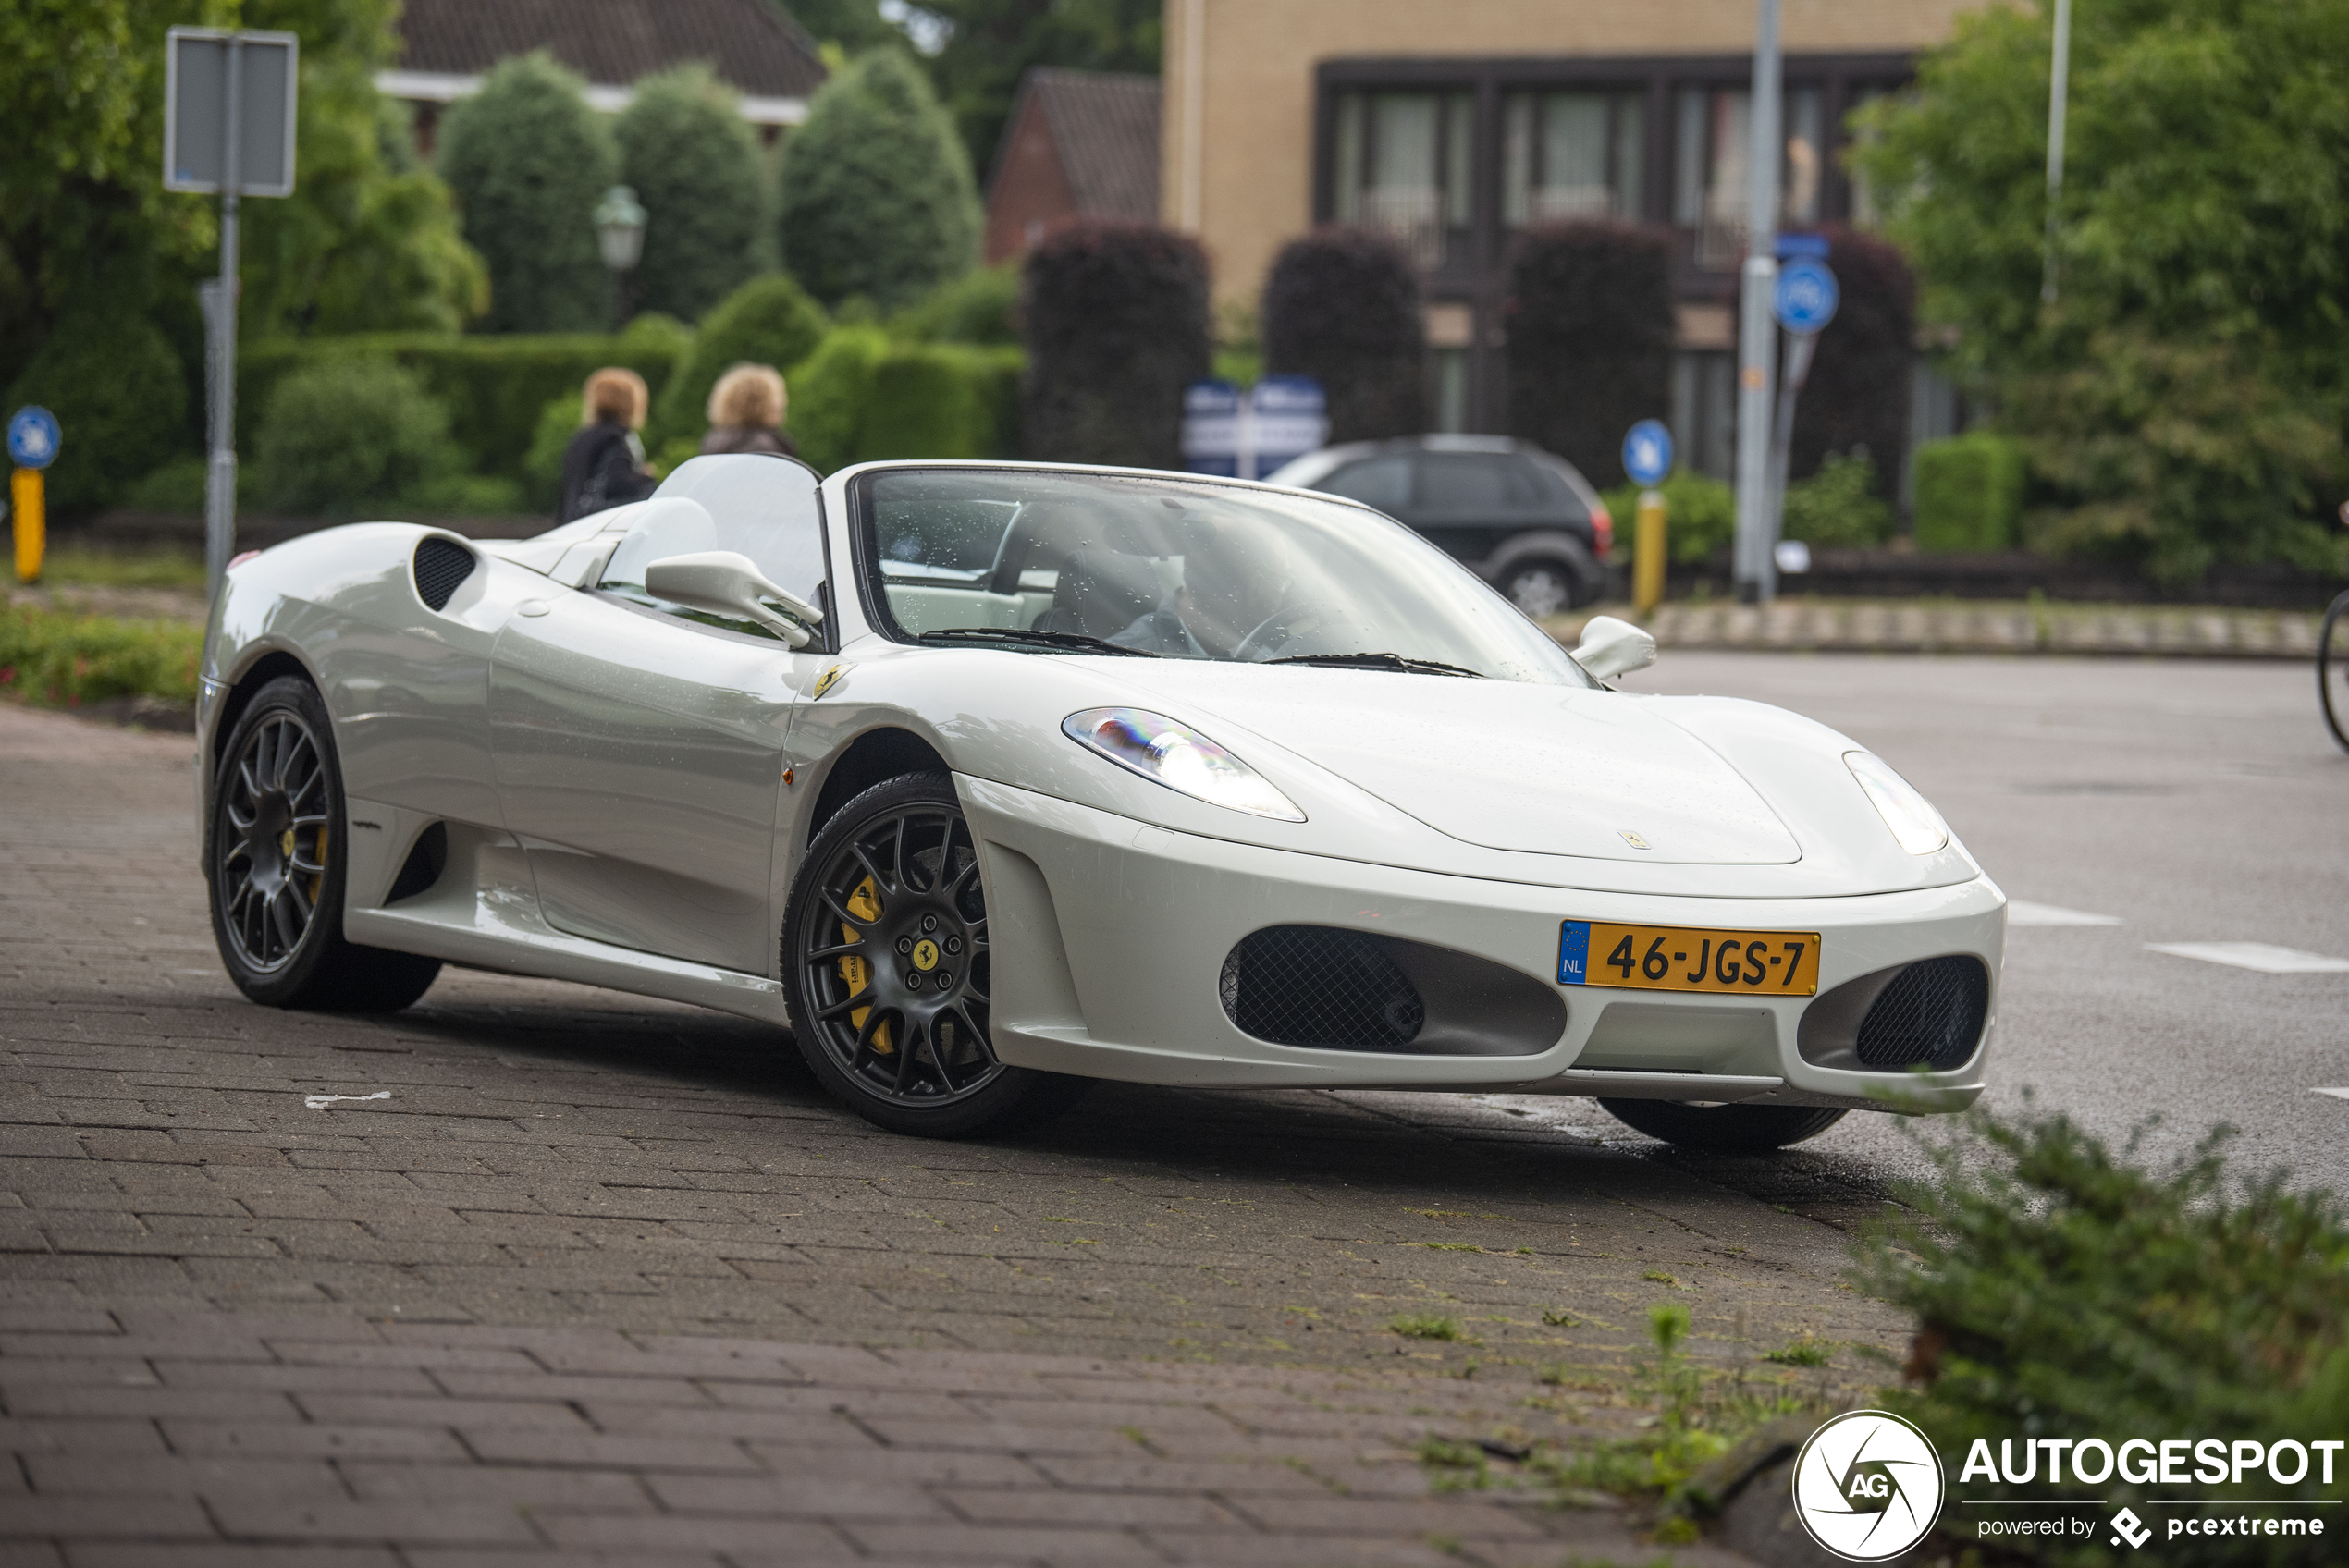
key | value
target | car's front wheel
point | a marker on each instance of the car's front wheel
(887, 970)
(1724, 1129)
(1541, 588)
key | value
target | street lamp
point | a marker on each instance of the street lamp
(620, 234)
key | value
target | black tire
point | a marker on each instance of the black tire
(277, 860)
(887, 975)
(1724, 1129)
(2332, 670)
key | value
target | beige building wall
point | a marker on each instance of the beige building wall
(1236, 149)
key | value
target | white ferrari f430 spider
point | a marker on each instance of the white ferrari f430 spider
(988, 779)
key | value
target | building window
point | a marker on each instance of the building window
(1572, 155)
(1713, 128)
(1402, 166)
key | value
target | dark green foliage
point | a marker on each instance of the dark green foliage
(768, 321)
(1840, 507)
(979, 307)
(492, 387)
(695, 164)
(529, 161)
(346, 436)
(2065, 1290)
(1589, 324)
(1857, 395)
(1701, 516)
(1342, 305)
(850, 26)
(1117, 321)
(1968, 493)
(62, 658)
(995, 41)
(120, 396)
(876, 198)
(862, 398)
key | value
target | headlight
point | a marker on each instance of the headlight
(1909, 815)
(1179, 758)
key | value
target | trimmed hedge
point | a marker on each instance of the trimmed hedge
(1968, 493)
(981, 306)
(1591, 325)
(768, 321)
(1342, 305)
(861, 397)
(492, 386)
(1700, 517)
(347, 435)
(1858, 393)
(120, 395)
(696, 167)
(528, 161)
(1115, 316)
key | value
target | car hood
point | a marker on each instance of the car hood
(1548, 770)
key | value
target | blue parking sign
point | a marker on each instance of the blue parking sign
(1647, 452)
(1806, 296)
(32, 437)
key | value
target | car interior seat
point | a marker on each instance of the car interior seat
(1100, 593)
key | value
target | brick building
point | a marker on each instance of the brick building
(1078, 144)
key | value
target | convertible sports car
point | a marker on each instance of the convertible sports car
(987, 780)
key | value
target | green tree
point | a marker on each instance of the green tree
(2203, 239)
(993, 43)
(120, 394)
(841, 28)
(876, 196)
(696, 167)
(529, 161)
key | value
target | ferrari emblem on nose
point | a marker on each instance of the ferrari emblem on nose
(1634, 839)
(925, 955)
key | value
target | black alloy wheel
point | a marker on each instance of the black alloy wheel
(1724, 1129)
(276, 861)
(2332, 670)
(1541, 588)
(888, 972)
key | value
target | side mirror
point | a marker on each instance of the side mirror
(727, 582)
(1612, 647)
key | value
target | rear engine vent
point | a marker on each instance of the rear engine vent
(1316, 985)
(441, 566)
(1931, 1013)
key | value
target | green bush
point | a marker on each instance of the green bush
(1590, 324)
(981, 306)
(876, 197)
(493, 387)
(1837, 508)
(62, 658)
(349, 435)
(832, 389)
(1701, 516)
(1342, 305)
(528, 161)
(2063, 1291)
(542, 469)
(768, 321)
(694, 166)
(1968, 493)
(861, 397)
(120, 395)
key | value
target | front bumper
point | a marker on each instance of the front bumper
(1109, 936)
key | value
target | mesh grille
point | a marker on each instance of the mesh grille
(1312, 986)
(1931, 1013)
(441, 565)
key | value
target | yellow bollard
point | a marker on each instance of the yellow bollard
(31, 522)
(1647, 558)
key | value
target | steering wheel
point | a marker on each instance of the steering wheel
(1271, 634)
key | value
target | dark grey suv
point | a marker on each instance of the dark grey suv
(1524, 521)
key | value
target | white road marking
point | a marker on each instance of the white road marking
(320, 1102)
(2021, 911)
(2260, 956)
(2336, 1094)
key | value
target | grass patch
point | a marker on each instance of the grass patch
(63, 659)
(1805, 1351)
(1425, 1326)
(1661, 1278)
(1557, 1318)
(81, 565)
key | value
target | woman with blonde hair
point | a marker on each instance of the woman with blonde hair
(604, 465)
(746, 412)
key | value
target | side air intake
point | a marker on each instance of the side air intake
(442, 566)
(1926, 1014)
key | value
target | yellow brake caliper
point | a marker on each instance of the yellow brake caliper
(864, 904)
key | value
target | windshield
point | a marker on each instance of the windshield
(1176, 569)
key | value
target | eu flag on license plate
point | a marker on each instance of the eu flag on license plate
(1574, 953)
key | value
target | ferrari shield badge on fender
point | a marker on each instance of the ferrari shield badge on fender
(830, 678)
(1629, 836)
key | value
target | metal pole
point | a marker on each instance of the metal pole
(2057, 93)
(220, 480)
(1799, 349)
(1757, 572)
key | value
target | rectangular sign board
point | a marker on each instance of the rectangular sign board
(197, 79)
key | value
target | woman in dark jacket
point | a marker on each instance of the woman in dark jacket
(604, 465)
(746, 412)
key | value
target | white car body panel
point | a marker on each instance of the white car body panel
(626, 797)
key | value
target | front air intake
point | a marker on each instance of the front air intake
(1930, 1013)
(442, 566)
(1317, 986)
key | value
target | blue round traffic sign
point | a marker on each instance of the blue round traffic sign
(32, 437)
(1806, 296)
(1647, 452)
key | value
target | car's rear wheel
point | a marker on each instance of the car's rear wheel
(1724, 1129)
(1541, 588)
(277, 861)
(887, 970)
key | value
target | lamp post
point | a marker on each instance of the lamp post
(620, 234)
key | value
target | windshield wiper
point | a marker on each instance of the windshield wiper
(1072, 640)
(1380, 661)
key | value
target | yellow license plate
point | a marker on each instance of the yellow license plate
(1688, 958)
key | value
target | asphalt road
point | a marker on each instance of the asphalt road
(2187, 801)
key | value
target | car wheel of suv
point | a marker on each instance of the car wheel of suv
(1724, 1129)
(1541, 588)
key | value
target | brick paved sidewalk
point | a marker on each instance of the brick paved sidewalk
(1964, 626)
(608, 1275)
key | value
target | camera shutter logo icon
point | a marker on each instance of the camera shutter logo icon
(1868, 1485)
